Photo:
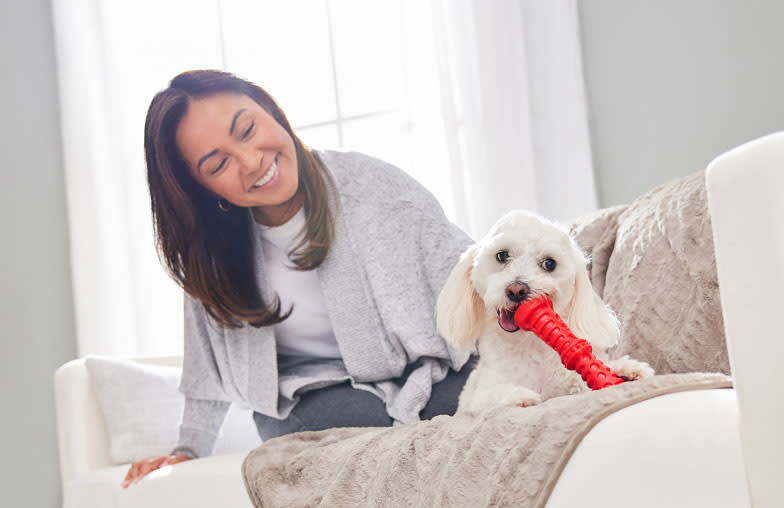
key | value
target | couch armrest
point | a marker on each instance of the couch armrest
(745, 188)
(81, 432)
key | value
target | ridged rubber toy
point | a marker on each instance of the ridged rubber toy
(537, 315)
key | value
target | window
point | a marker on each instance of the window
(349, 74)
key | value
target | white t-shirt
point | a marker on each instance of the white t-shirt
(307, 332)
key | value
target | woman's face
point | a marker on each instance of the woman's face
(236, 149)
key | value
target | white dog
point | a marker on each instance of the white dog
(521, 257)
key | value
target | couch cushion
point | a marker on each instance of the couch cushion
(140, 404)
(142, 408)
(641, 455)
(210, 481)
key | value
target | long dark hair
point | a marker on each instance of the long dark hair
(207, 251)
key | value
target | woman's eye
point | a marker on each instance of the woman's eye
(502, 256)
(549, 264)
(248, 131)
(220, 166)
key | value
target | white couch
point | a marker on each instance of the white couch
(717, 448)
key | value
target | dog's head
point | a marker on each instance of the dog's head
(521, 257)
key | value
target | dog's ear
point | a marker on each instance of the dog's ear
(589, 317)
(460, 308)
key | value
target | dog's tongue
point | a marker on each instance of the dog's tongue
(506, 320)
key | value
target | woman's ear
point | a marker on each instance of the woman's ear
(460, 308)
(589, 317)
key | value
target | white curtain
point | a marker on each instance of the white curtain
(514, 108)
(494, 119)
(110, 63)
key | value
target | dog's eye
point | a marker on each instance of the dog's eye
(502, 256)
(549, 264)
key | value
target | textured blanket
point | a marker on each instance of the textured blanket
(503, 457)
(653, 263)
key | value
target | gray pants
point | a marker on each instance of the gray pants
(344, 406)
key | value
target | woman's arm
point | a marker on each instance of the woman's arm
(441, 242)
(202, 417)
(201, 422)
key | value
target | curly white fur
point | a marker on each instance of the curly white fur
(519, 368)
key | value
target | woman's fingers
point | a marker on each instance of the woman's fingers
(142, 468)
(129, 477)
(133, 472)
(148, 466)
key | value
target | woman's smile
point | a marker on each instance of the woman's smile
(269, 178)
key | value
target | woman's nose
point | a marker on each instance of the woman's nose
(250, 160)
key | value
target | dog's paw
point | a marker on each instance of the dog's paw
(521, 397)
(629, 369)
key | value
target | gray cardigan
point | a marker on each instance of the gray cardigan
(392, 252)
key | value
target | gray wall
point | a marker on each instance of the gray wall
(673, 83)
(37, 306)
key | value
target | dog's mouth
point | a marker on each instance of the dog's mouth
(506, 319)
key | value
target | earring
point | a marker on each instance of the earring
(223, 205)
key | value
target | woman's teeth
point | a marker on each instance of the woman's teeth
(268, 175)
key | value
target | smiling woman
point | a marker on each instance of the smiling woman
(285, 257)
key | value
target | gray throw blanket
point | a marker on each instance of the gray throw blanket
(653, 262)
(506, 456)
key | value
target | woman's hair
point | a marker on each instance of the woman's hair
(208, 251)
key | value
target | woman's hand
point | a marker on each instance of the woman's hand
(141, 468)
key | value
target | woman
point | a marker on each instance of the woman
(310, 277)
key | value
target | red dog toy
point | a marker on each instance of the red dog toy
(537, 315)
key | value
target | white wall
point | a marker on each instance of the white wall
(35, 299)
(673, 83)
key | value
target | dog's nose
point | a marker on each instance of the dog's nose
(517, 291)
